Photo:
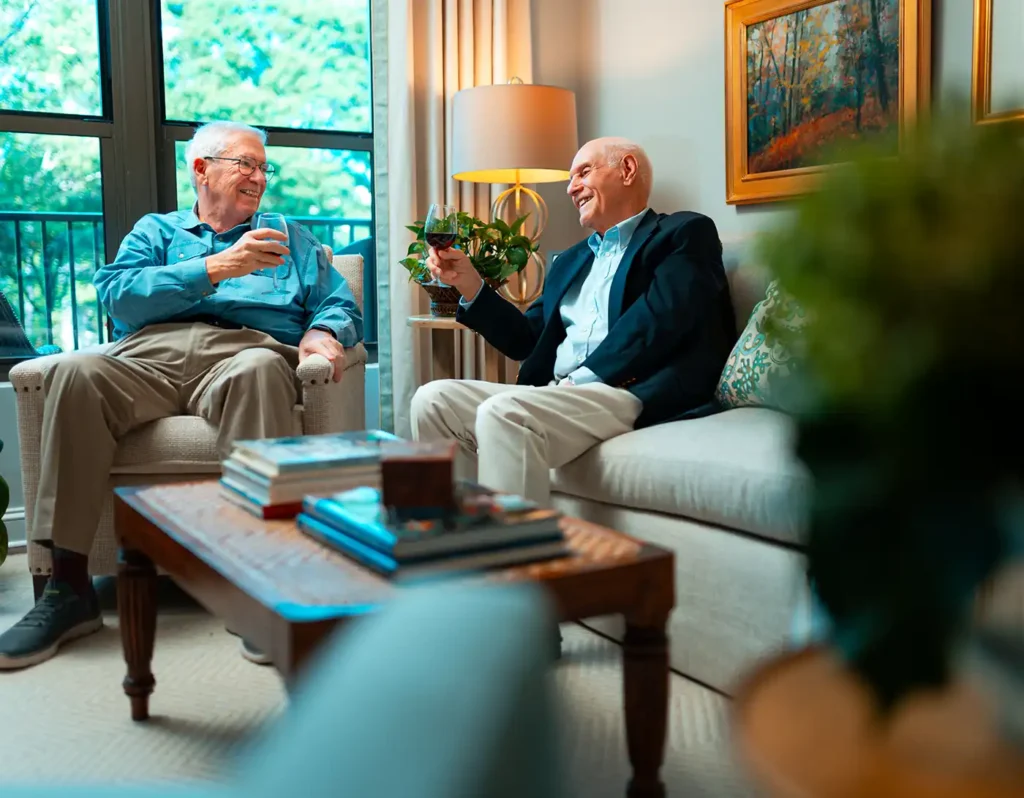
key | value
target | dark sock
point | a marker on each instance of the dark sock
(72, 569)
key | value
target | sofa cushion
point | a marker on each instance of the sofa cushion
(760, 363)
(734, 469)
(175, 445)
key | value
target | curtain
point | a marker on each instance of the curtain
(434, 48)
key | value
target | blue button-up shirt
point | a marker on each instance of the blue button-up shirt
(159, 275)
(584, 308)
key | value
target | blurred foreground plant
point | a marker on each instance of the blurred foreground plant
(911, 271)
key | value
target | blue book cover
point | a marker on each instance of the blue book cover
(460, 563)
(272, 456)
(360, 552)
(484, 520)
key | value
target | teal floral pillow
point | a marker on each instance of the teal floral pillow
(759, 363)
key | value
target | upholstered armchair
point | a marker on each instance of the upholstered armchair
(182, 448)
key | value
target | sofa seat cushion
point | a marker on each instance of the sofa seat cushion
(175, 445)
(734, 469)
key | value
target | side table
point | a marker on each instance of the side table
(447, 356)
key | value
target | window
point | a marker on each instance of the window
(290, 65)
(50, 57)
(83, 81)
(51, 236)
(52, 232)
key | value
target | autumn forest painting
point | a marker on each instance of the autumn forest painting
(819, 77)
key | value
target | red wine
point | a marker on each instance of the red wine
(440, 240)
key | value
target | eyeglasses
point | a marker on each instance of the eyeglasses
(247, 166)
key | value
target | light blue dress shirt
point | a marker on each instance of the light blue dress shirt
(159, 275)
(584, 308)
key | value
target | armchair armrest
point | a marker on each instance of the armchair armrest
(29, 381)
(329, 406)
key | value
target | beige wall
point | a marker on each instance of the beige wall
(654, 71)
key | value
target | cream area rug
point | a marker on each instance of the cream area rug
(67, 720)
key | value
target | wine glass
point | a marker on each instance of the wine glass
(441, 227)
(276, 221)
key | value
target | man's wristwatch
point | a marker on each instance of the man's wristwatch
(326, 329)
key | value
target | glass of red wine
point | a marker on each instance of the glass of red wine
(441, 226)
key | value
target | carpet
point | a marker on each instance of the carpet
(67, 720)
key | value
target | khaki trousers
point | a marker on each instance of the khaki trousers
(512, 435)
(241, 381)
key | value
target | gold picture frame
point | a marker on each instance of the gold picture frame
(746, 21)
(981, 77)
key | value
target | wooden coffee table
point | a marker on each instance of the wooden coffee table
(286, 593)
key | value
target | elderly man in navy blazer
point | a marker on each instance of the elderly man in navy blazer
(632, 329)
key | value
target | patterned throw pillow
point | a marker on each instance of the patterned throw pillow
(759, 362)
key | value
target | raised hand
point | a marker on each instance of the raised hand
(256, 249)
(453, 267)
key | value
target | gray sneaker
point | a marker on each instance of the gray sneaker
(59, 616)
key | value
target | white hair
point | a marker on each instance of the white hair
(212, 139)
(615, 149)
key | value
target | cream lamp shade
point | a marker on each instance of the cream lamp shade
(513, 133)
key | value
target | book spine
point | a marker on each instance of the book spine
(330, 512)
(332, 538)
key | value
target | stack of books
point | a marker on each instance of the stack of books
(270, 477)
(484, 530)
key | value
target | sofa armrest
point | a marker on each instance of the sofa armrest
(329, 406)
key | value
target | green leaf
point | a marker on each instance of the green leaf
(518, 257)
(502, 225)
(517, 225)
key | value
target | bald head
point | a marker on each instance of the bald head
(610, 181)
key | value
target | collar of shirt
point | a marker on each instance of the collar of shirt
(617, 237)
(192, 220)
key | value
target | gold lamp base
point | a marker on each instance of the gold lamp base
(509, 206)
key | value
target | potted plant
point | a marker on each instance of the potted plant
(910, 271)
(496, 249)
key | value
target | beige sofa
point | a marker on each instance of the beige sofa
(183, 447)
(726, 495)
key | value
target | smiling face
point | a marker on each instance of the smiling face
(226, 196)
(604, 193)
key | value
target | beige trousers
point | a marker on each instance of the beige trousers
(512, 435)
(242, 381)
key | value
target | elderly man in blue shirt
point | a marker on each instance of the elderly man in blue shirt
(632, 329)
(198, 330)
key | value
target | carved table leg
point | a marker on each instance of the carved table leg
(136, 605)
(646, 686)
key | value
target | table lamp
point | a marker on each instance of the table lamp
(515, 133)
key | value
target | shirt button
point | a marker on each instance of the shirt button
(181, 256)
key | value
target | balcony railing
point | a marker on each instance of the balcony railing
(47, 263)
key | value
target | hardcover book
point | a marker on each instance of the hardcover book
(276, 457)
(482, 519)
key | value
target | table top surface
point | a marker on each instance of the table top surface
(303, 580)
(808, 727)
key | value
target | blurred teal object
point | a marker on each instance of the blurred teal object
(444, 694)
(911, 272)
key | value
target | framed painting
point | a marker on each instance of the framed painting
(997, 87)
(804, 77)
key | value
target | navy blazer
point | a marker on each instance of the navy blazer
(670, 328)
